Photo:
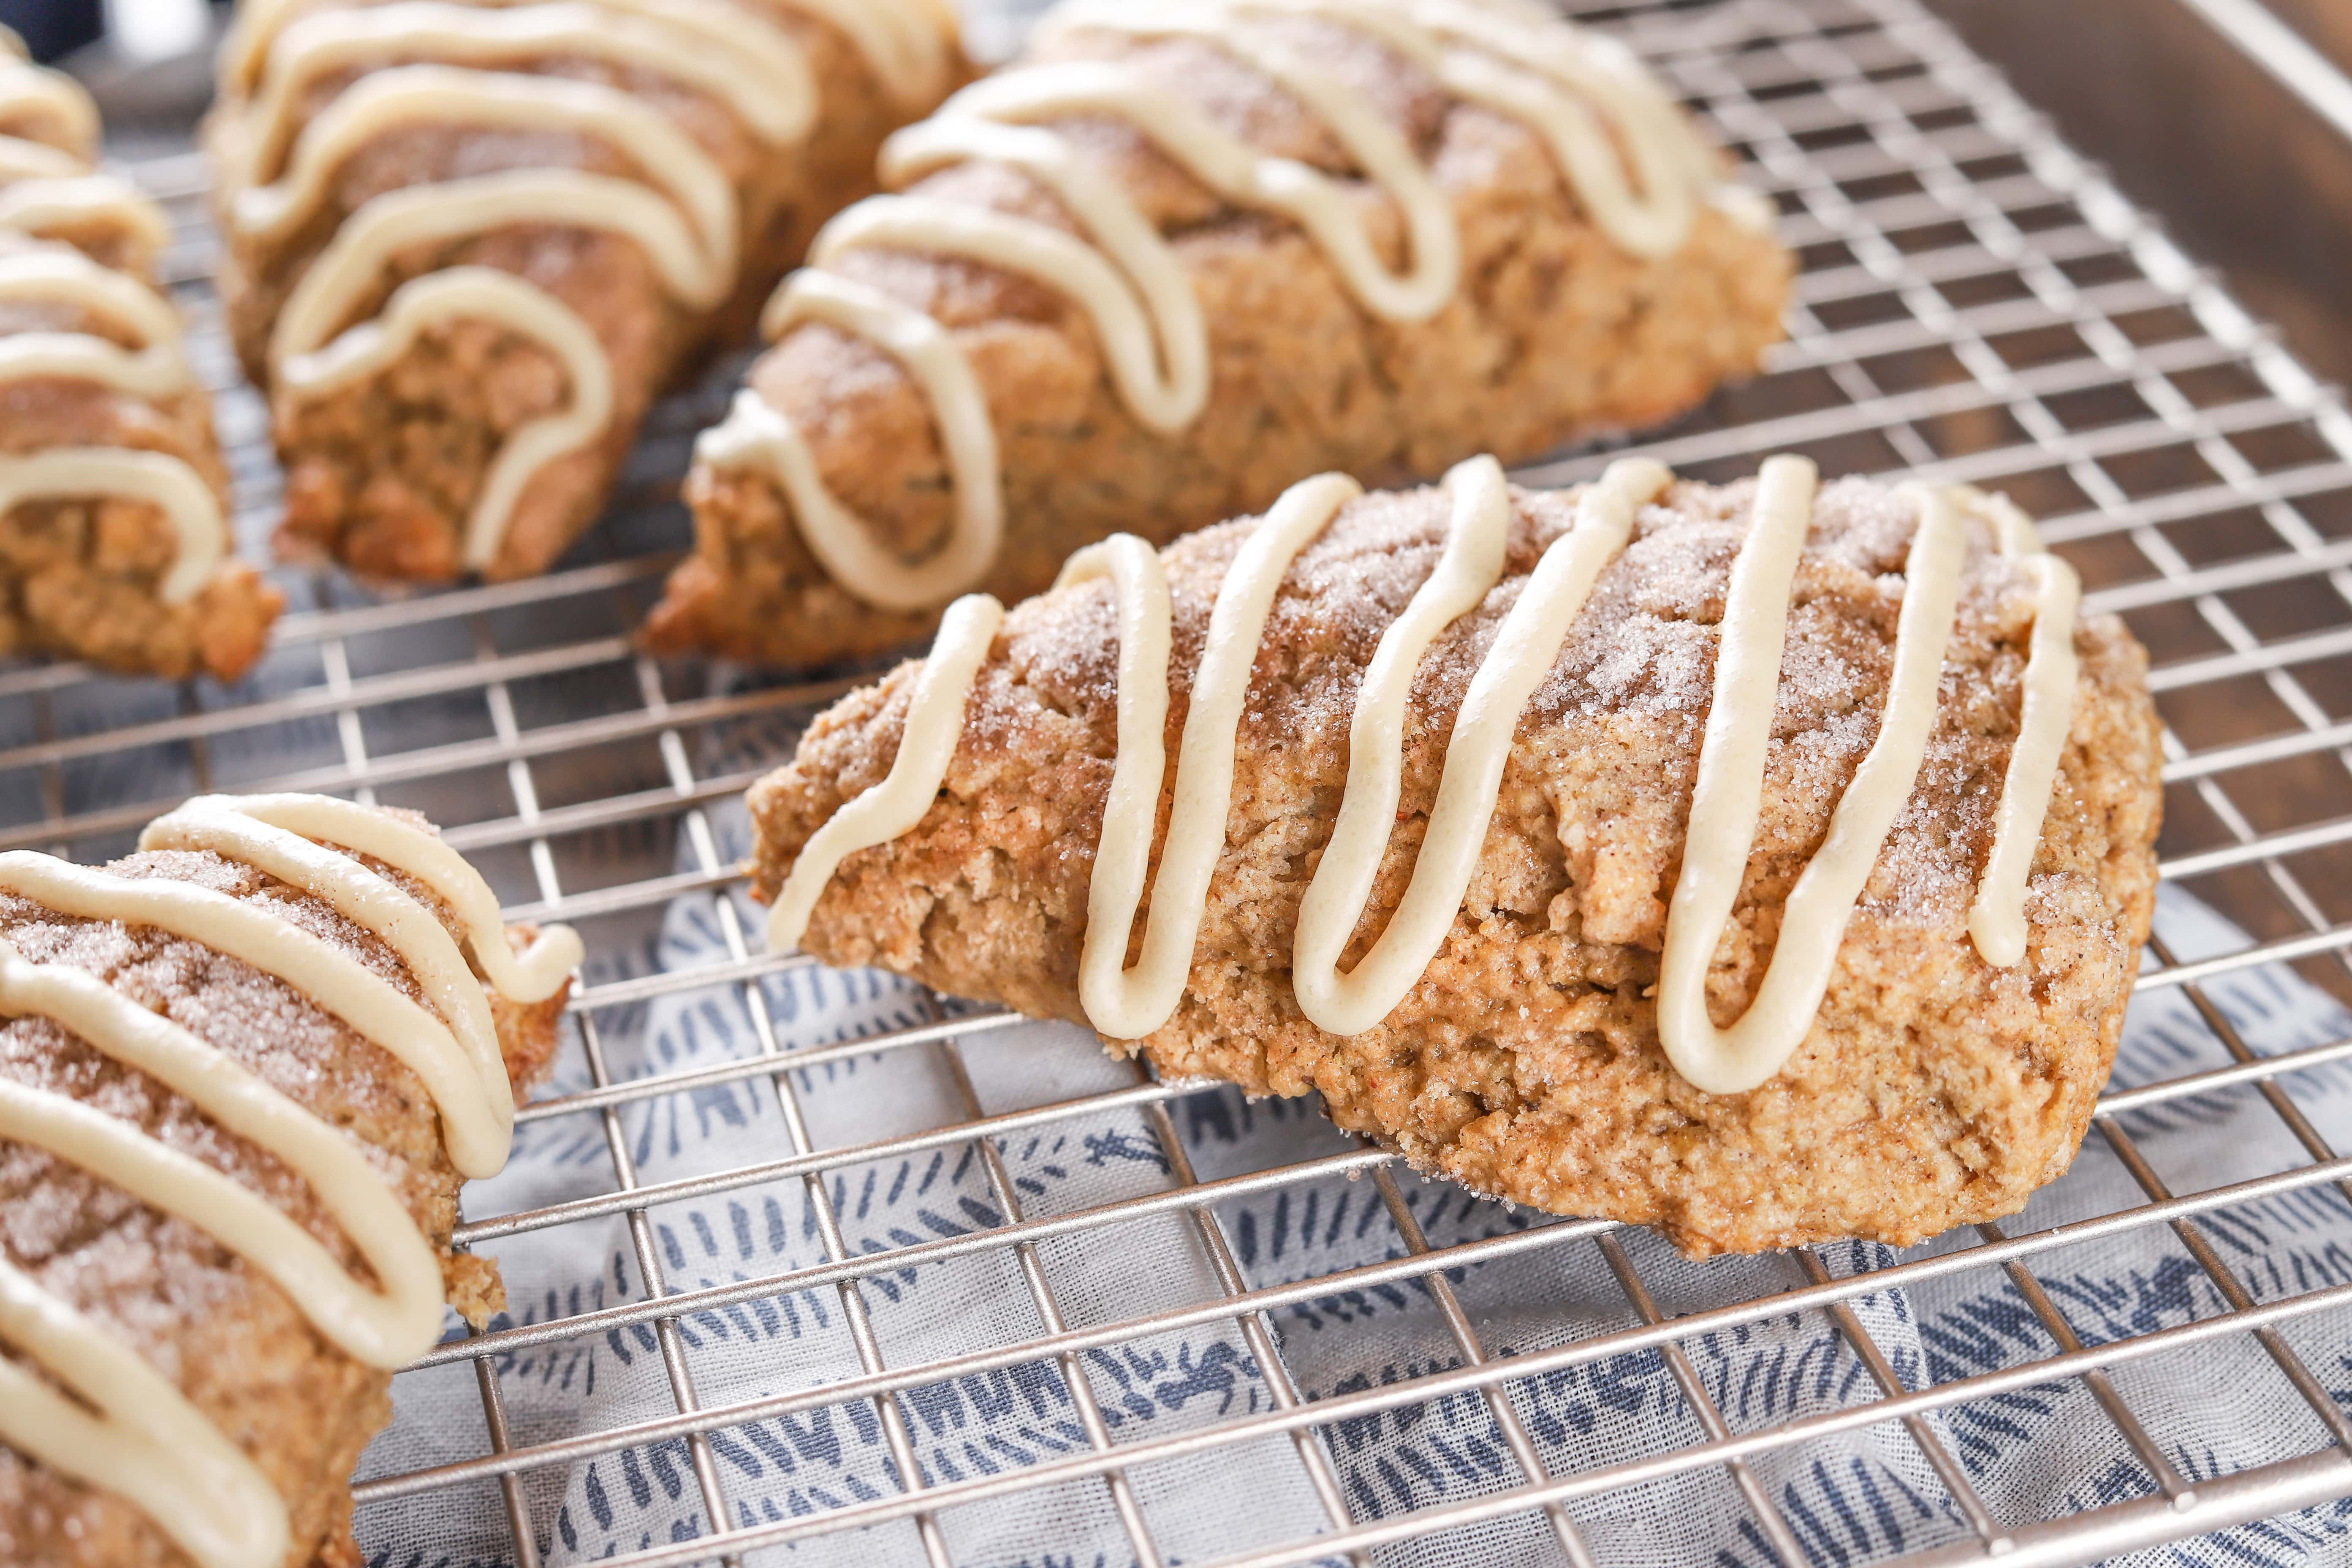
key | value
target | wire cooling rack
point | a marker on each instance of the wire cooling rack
(1977, 303)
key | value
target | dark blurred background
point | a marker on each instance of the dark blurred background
(51, 28)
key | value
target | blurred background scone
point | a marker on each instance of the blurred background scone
(114, 533)
(469, 245)
(1177, 256)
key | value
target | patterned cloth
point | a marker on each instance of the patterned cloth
(2031, 1455)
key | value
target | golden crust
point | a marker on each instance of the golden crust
(1557, 333)
(1932, 1088)
(242, 1352)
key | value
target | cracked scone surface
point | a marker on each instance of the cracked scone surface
(242, 1352)
(1931, 1089)
(1555, 331)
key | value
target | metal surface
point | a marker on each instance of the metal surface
(2278, 50)
(1979, 304)
(2187, 104)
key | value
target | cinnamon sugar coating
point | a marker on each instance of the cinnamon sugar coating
(1555, 332)
(240, 1351)
(384, 474)
(1931, 1090)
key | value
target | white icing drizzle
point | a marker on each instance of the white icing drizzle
(1997, 919)
(417, 214)
(430, 62)
(132, 1433)
(475, 1118)
(384, 1330)
(51, 189)
(157, 368)
(140, 1437)
(934, 722)
(534, 975)
(1164, 399)
(51, 207)
(479, 292)
(1123, 1002)
(1729, 792)
(24, 86)
(905, 43)
(757, 433)
(1591, 102)
(1524, 649)
(328, 42)
(687, 175)
(157, 478)
(1130, 1004)
(26, 160)
(45, 186)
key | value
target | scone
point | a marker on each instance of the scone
(242, 1073)
(114, 537)
(469, 243)
(1760, 866)
(1181, 253)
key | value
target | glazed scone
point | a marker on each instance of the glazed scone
(114, 536)
(1180, 254)
(227, 1373)
(468, 244)
(1550, 1017)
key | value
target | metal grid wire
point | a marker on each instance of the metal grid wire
(1978, 305)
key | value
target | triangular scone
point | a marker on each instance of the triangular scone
(243, 1072)
(470, 241)
(114, 535)
(1181, 252)
(1521, 1055)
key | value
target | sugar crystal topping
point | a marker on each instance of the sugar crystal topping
(1771, 589)
(126, 1427)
